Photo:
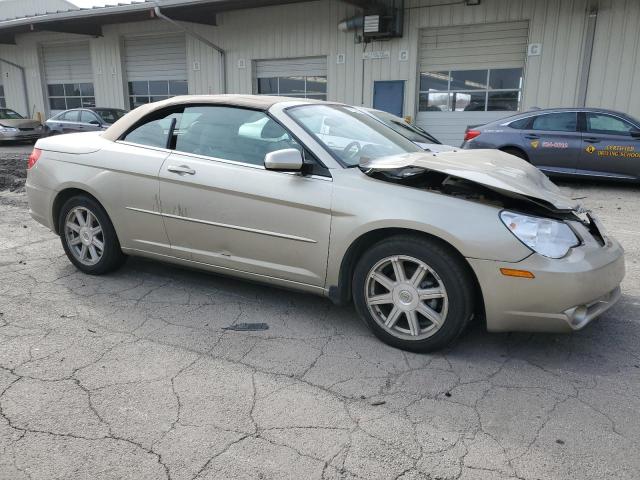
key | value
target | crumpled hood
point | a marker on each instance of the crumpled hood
(492, 168)
(19, 122)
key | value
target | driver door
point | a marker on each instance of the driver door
(221, 206)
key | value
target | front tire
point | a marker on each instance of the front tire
(88, 236)
(414, 293)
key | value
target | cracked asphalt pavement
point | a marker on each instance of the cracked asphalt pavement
(133, 376)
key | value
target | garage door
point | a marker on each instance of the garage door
(3, 100)
(469, 74)
(68, 75)
(156, 68)
(292, 77)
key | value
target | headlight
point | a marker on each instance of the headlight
(7, 129)
(547, 237)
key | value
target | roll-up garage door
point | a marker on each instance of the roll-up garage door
(156, 67)
(3, 100)
(470, 74)
(295, 77)
(68, 75)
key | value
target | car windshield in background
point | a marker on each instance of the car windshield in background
(6, 114)
(403, 128)
(110, 115)
(349, 134)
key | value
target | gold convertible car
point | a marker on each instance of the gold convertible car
(324, 198)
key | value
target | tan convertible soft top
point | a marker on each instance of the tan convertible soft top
(259, 102)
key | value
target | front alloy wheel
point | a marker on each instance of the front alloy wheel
(414, 292)
(406, 297)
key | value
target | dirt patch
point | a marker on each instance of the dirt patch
(13, 171)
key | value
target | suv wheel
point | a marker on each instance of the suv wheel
(88, 236)
(414, 293)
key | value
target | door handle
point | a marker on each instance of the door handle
(591, 139)
(531, 136)
(181, 169)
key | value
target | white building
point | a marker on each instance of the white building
(452, 65)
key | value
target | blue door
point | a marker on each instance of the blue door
(388, 96)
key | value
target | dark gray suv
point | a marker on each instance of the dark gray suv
(586, 142)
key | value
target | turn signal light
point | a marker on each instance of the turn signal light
(33, 158)
(512, 272)
(471, 134)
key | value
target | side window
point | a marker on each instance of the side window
(520, 124)
(231, 133)
(87, 117)
(606, 124)
(154, 129)
(70, 116)
(557, 122)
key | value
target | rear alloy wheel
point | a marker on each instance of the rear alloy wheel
(414, 293)
(84, 235)
(88, 237)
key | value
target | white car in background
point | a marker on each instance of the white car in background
(417, 135)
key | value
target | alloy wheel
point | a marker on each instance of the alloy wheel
(84, 235)
(406, 297)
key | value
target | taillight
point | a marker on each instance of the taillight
(33, 158)
(471, 134)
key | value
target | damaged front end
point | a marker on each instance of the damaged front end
(487, 176)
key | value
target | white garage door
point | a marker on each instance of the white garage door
(3, 100)
(292, 77)
(470, 74)
(156, 68)
(68, 75)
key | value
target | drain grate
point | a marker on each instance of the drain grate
(247, 327)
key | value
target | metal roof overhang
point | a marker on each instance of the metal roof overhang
(89, 21)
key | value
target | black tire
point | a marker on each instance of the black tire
(516, 152)
(453, 274)
(112, 257)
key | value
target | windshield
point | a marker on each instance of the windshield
(110, 115)
(405, 129)
(8, 114)
(349, 134)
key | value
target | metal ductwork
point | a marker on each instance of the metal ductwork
(384, 19)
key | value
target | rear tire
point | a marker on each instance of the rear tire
(516, 152)
(414, 293)
(88, 236)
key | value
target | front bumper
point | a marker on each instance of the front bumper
(565, 295)
(20, 135)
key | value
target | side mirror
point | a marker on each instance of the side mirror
(94, 122)
(287, 160)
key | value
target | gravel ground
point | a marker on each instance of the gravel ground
(133, 376)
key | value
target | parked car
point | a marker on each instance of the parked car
(417, 135)
(584, 142)
(83, 120)
(14, 127)
(421, 242)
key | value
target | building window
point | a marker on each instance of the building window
(300, 87)
(495, 89)
(63, 96)
(147, 91)
(3, 102)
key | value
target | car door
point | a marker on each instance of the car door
(552, 141)
(89, 121)
(610, 146)
(66, 122)
(223, 208)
